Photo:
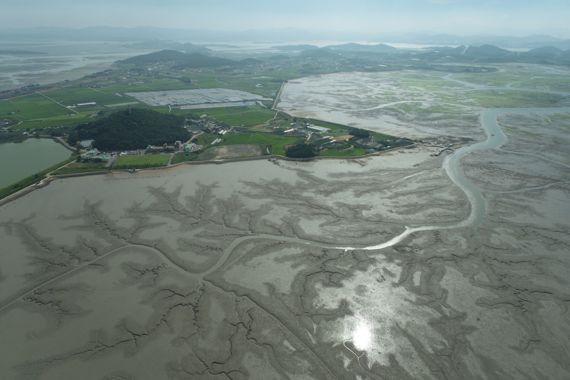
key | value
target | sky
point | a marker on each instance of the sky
(460, 17)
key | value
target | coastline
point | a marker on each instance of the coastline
(36, 178)
(48, 178)
(45, 176)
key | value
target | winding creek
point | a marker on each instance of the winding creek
(452, 165)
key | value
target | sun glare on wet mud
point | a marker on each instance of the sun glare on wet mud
(362, 336)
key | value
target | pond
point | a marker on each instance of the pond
(20, 160)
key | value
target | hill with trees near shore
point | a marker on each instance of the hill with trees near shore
(301, 150)
(132, 129)
(440, 54)
(179, 59)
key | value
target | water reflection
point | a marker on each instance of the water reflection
(358, 338)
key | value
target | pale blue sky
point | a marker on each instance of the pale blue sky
(516, 17)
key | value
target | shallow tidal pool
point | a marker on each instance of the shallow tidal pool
(20, 160)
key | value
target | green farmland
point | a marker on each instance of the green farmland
(246, 116)
(277, 142)
(141, 161)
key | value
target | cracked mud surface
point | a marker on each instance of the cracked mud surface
(230, 271)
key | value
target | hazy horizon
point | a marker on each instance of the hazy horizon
(360, 17)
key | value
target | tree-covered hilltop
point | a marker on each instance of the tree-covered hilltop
(179, 59)
(301, 150)
(132, 129)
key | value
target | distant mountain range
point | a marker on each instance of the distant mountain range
(360, 48)
(186, 55)
(171, 45)
(180, 59)
(474, 54)
(494, 54)
(275, 35)
(17, 52)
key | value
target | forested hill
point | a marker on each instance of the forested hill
(132, 129)
(177, 58)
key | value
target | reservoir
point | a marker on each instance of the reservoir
(20, 160)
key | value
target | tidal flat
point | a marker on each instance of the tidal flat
(267, 269)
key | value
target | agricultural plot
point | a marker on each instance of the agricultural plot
(342, 152)
(78, 95)
(62, 120)
(261, 84)
(81, 167)
(276, 143)
(246, 116)
(184, 157)
(109, 92)
(141, 161)
(31, 107)
(158, 84)
(530, 77)
(60, 107)
(265, 82)
(228, 152)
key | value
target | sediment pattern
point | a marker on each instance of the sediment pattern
(231, 271)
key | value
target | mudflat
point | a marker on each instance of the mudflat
(414, 264)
